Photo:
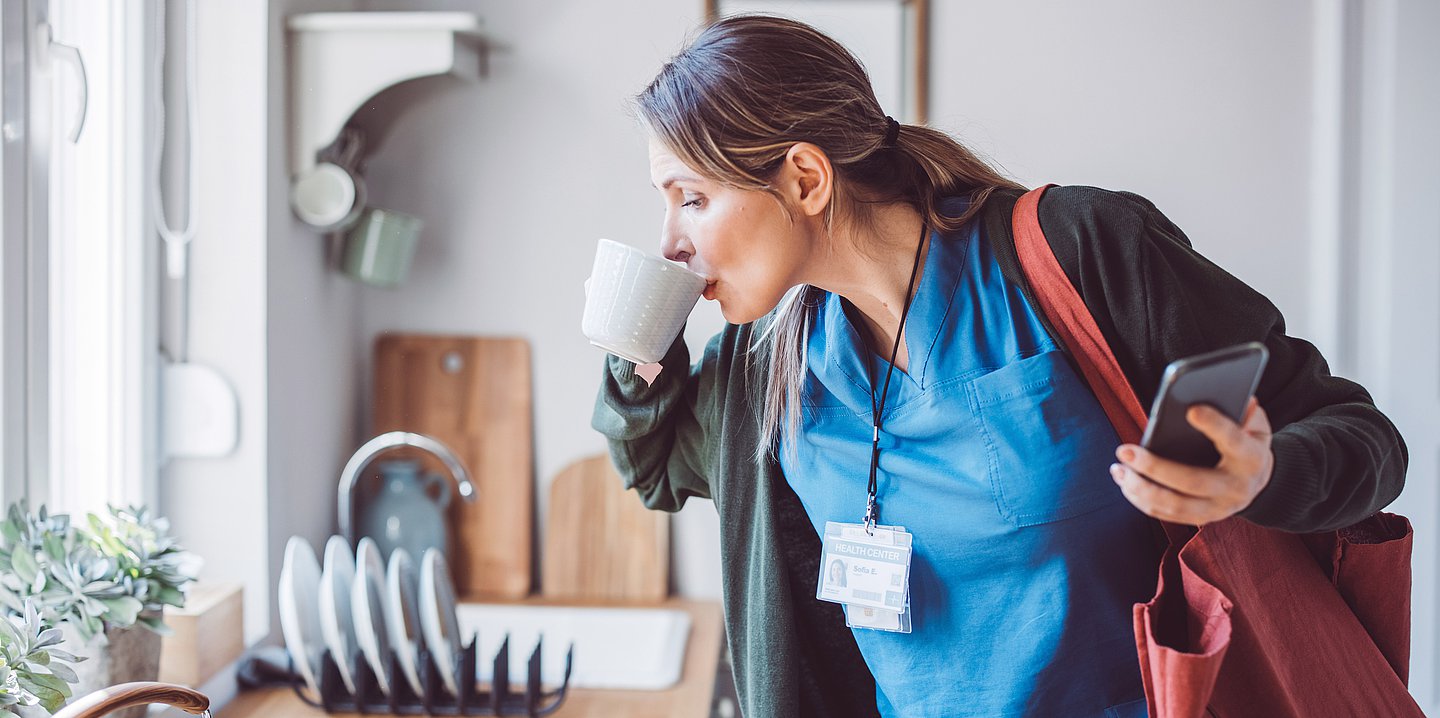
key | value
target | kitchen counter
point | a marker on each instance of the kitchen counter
(690, 698)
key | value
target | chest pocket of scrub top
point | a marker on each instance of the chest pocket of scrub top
(1049, 443)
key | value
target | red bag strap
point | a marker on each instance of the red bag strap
(1062, 305)
(1060, 302)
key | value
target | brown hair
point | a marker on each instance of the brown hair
(732, 103)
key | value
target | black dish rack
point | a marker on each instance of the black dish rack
(498, 700)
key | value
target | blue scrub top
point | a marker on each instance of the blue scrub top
(994, 455)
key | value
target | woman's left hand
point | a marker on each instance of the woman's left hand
(1193, 495)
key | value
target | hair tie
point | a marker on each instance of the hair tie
(892, 131)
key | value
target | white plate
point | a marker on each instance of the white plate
(367, 600)
(299, 609)
(404, 616)
(336, 622)
(437, 617)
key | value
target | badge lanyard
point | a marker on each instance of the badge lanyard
(872, 512)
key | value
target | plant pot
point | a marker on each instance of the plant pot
(125, 655)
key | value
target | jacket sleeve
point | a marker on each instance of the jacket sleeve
(658, 433)
(1337, 458)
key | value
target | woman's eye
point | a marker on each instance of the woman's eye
(692, 203)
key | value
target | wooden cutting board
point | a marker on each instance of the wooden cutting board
(473, 395)
(601, 543)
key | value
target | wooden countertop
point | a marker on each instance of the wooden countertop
(690, 698)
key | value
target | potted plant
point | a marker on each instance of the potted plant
(104, 585)
(34, 677)
(150, 565)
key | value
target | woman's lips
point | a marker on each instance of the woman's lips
(709, 292)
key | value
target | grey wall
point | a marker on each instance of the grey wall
(1202, 108)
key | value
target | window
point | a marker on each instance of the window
(21, 314)
(75, 275)
(101, 353)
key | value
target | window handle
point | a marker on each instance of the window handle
(71, 54)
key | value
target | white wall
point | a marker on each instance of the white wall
(217, 507)
(1396, 255)
(1202, 109)
(267, 314)
(515, 177)
(311, 336)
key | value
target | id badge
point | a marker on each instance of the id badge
(865, 570)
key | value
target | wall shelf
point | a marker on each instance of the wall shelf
(340, 60)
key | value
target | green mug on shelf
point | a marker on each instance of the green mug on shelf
(379, 247)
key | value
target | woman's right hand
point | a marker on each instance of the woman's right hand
(648, 372)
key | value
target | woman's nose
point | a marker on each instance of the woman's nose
(675, 247)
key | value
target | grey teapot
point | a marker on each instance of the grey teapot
(403, 514)
(415, 518)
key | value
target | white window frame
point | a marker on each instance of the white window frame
(23, 331)
(102, 296)
(77, 271)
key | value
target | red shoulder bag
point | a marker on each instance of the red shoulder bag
(1247, 621)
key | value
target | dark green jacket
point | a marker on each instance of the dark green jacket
(695, 431)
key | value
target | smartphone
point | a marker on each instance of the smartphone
(1224, 379)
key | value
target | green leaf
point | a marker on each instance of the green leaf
(49, 689)
(170, 596)
(8, 633)
(49, 637)
(51, 700)
(122, 611)
(11, 531)
(55, 547)
(68, 657)
(52, 682)
(45, 682)
(64, 672)
(111, 545)
(24, 564)
(157, 625)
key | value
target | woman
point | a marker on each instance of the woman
(837, 573)
(867, 275)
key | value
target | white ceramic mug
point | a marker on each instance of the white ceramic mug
(636, 303)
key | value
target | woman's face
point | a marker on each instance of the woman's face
(836, 571)
(742, 241)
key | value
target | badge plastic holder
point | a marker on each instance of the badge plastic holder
(877, 619)
(871, 617)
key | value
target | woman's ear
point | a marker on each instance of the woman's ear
(807, 178)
